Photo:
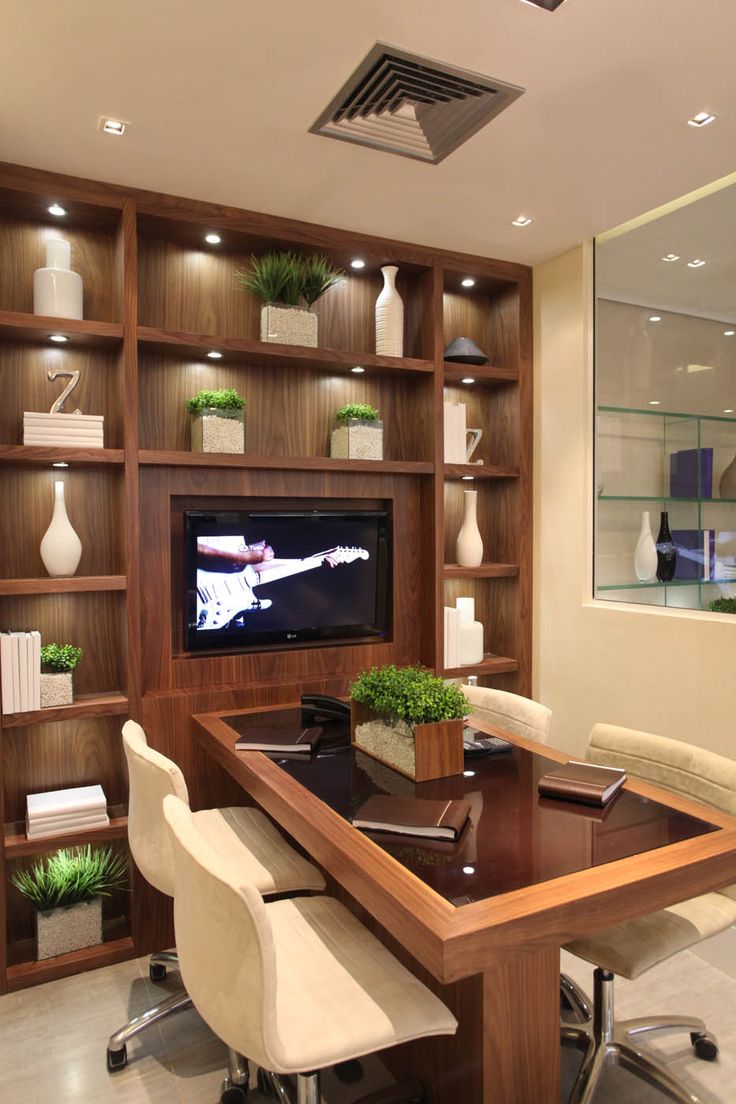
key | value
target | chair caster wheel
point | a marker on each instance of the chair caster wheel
(116, 1059)
(157, 971)
(265, 1085)
(705, 1047)
(234, 1094)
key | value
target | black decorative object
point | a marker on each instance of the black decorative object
(666, 554)
(464, 351)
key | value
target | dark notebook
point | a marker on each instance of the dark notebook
(583, 782)
(288, 741)
(411, 816)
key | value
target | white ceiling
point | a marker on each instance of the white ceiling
(220, 97)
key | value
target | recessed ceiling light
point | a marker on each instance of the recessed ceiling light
(57, 209)
(60, 464)
(112, 126)
(521, 220)
(212, 239)
(729, 333)
(357, 369)
(699, 368)
(654, 402)
(697, 263)
(701, 119)
(468, 870)
(58, 338)
(728, 410)
(468, 379)
(655, 318)
(357, 263)
(468, 478)
(671, 257)
(214, 355)
(546, 5)
(468, 282)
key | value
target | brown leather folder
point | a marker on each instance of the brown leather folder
(583, 782)
(411, 816)
(292, 741)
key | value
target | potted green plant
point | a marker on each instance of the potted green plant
(357, 433)
(66, 890)
(722, 605)
(58, 661)
(410, 719)
(217, 421)
(290, 285)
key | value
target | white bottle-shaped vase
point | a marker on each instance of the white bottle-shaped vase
(61, 548)
(57, 291)
(645, 555)
(389, 316)
(470, 636)
(469, 547)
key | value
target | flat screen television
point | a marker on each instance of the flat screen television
(288, 577)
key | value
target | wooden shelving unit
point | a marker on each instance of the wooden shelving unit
(18, 846)
(157, 300)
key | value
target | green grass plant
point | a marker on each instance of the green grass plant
(410, 694)
(72, 876)
(288, 278)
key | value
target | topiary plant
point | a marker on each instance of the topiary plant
(410, 694)
(363, 411)
(723, 605)
(287, 278)
(60, 658)
(69, 877)
(225, 399)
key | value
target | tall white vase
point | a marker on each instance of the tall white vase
(61, 548)
(389, 316)
(57, 291)
(469, 547)
(645, 555)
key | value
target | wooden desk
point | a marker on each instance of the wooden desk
(494, 960)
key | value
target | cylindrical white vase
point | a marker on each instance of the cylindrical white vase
(389, 316)
(57, 291)
(645, 554)
(470, 635)
(469, 547)
(61, 548)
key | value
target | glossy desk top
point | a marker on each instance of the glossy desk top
(514, 839)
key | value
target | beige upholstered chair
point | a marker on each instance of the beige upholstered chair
(296, 984)
(244, 838)
(517, 715)
(631, 948)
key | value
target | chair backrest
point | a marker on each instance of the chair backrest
(517, 715)
(224, 942)
(151, 776)
(675, 766)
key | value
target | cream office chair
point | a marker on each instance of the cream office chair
(244, 838)
(631, 948)
(297, 984)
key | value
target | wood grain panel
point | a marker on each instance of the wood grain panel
(496, 607)
(498, 519)
(496, 411)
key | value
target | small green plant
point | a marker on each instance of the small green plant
(357, 410)
(60, 658)
(410, 694)
(69, 877)
(723, 605)
(225, 399)
(287, 278)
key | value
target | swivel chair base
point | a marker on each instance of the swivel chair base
(117, 1051)
(606, 1042)
(307, 1091)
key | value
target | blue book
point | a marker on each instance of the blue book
(689, 546)
(685, 479)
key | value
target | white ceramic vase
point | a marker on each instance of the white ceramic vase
(57, 291)
(61, 548)
(469, 547)
(470, 636)
(645, 555)
(389, 316)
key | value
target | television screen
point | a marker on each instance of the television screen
(285, 577)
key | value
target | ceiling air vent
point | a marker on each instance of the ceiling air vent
(410, 105)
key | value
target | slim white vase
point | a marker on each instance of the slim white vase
(389, 316)
(61, 548)
(57, 291)
(645, 555)
(470, 636)
(469, 547)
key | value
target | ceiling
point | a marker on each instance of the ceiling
(220, 98)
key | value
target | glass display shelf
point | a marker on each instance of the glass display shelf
(665, 414)
(663, 586)
(667, 498)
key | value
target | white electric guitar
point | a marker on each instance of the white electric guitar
(221, 596)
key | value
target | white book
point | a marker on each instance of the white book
(452, 644)
(49, 833)
(79, 820)
(446, 638)
(28, 661)
(461, 424)
(36, 668)
(20, 672)
(447, 431)
(33, 436)
(38, 417)
(61, 431)
(75, 800)
(6, 673)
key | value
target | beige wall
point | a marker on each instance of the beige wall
(663, 671)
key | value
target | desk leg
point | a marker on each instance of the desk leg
(521, 1030)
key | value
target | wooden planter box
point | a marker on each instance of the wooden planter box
(435, 751)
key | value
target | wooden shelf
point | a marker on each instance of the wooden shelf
(23, 974)
(173, 343)
(38, 454)
(480, 471)
(73, 585)
(36, 327)
(86, 705)
(491, 665)
(485, 571)
(17, 845)
(281, 463)
(481, 373)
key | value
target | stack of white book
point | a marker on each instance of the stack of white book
(73, 430)
(20, 671)
(452, 637)
(63, 812)
(455, 426)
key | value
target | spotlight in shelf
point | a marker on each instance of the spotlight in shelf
(58, 338)
(60, 464)
(212, 239)
(670, 257)
(468, 870)
(468, 379)
(654, 402)
(697, 263)
(729, 333)
(57, 210)
(357, 369)
(357, 263)
(214, 355)
(655, 318)
(729, 410)
(467, 282)
(468, 478)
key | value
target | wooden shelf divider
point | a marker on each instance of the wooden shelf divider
(484, 571)
(36, 327)
(22, 974)
(480, 471)
(480, 373)
(282, 463)
(18, 846)
(491, 665)
(75, 584)
(41, 454)
(86, 705)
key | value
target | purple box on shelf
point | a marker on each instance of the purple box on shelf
(684, 482)
(696, 554)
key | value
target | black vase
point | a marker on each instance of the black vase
(666, 554)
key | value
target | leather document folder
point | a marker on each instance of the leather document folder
(288, 741)
(410, 816)
(583, 782)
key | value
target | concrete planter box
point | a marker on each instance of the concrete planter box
(357, 439)
(218, 430)
(71, 928)
(289, 325)
(423, 752)
(56, 689)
